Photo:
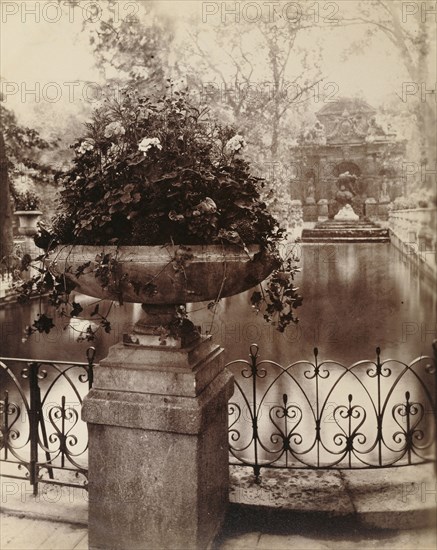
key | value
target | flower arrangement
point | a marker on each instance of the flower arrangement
(26, 201)
(152, 173)
(161, 172)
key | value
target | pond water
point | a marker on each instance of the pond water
(356, 297)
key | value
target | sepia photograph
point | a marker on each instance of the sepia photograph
(218, 275)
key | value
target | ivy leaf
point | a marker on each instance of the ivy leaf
(76, 309)
(298, 302)
(43, 323)
(48, 280)
(81, 269)
(256, 298)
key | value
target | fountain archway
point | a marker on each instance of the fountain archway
(347, 166)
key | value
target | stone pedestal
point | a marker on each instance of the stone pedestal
(383, 211)
(371, 208)
(309, 212)
(322, 210)
(158, 452)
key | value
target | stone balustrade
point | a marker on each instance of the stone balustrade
(414, 232)
(5, 286)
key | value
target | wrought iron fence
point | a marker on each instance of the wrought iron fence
(309, 414)
(322, 414)
(42, 437)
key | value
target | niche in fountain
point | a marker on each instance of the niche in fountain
(349, 192)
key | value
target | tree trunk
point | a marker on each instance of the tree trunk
(427, 107)
(419, 74)
(6, 240)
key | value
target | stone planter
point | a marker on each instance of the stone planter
(28, 220)
(160, 278)
(157, 414)
(159, 274)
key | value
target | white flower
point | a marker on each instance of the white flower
(86, 145)
(147, 143)
(114, 129)
(235, 143)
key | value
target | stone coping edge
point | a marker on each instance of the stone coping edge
(391, 498)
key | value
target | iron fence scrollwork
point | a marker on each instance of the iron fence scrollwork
(309, 414)
(323, 414)
(42, 437)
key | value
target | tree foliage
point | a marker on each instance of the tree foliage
(20, 154)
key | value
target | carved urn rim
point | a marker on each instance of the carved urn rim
(160, 275)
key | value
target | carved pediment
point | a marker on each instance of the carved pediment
(349, 120)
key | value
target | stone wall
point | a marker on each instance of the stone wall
(326, 209)
(414, 233)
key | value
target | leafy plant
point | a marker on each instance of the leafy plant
(157, 173)
(26, 201)
(279, 298)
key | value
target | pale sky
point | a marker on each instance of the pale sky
(54, 52)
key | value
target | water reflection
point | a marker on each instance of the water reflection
(356, 296)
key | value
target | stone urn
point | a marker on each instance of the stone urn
(28, 220)
(157, 413)
(161, 277)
